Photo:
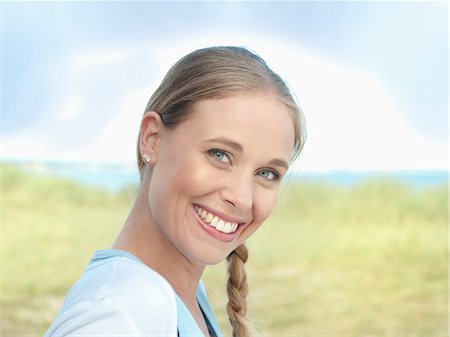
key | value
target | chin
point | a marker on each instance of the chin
(212, 262)
(212, 258)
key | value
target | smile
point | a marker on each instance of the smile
(215, 221)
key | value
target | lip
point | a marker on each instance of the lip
(226, 237)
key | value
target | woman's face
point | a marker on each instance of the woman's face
(216, 176)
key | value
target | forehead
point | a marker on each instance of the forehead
(258, 121)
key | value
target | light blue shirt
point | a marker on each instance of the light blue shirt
(118, 295)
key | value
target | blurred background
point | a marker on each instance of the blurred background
(357, 245)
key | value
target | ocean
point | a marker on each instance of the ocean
(117, 176)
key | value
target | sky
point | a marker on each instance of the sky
(371, 77)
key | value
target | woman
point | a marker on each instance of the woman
(216, 138)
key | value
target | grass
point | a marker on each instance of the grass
(365, 260)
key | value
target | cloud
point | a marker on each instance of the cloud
(353, 122)
(117, 141)
(71, 109)
(99, 57)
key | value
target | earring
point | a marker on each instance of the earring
(146, 157)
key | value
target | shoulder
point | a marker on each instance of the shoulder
(132, 284)
(124, 281)
(119, 296)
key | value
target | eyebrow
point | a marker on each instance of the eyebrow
(226, 141)
(279, 162)
(238, 147)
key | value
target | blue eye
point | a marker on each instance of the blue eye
(219, 155)
(269, 174)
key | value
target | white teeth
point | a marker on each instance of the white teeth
(227, 227)
(215, 221)
(219, 226)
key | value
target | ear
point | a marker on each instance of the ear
(150, 133)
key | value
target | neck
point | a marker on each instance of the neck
(144, 239)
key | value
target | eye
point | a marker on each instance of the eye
(269, 174)
(219, 155)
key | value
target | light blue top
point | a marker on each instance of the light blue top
(118, 295)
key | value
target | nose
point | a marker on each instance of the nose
(239, 191)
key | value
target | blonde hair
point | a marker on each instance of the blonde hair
(237, 290)
(217, 72)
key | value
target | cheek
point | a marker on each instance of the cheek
(176, 180)
(263, 205)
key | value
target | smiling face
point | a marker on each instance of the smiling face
(216, 176)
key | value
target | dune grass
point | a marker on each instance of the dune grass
(365, 260)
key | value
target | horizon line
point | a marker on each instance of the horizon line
(41, 163)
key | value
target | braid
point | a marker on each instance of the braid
(237, 292)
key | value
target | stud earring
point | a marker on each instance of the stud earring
(146, 157)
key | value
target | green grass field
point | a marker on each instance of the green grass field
(367, 260)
